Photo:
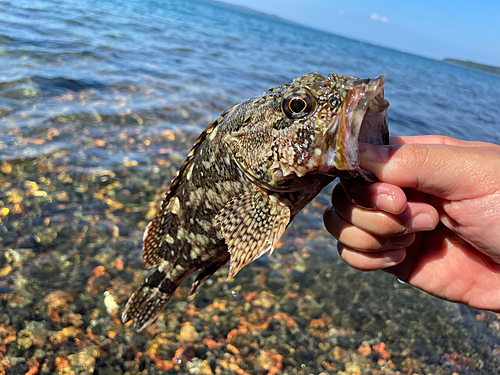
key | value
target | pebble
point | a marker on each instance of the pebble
(65, 210)
(188, 332)
(110, 303)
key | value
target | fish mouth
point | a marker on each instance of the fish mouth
(363, 119)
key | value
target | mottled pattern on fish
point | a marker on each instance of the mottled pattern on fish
(247, 176)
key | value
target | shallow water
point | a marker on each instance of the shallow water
(99, 105)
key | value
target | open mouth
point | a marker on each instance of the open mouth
(363, 118)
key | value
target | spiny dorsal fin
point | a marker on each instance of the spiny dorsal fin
(252, 224)
(179, 177)
(155, 236)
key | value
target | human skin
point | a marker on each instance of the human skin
(432, 220)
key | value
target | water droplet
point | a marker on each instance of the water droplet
(178, 361)
(235, 293)
(401, 281)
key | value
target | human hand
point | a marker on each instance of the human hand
(432, 220)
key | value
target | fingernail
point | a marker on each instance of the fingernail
(393, 257)
(422, 222)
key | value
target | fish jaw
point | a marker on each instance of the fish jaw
(362, 119)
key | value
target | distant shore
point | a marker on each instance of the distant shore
(495, 70)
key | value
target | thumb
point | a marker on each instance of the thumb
(447, 171)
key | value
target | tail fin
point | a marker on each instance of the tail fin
(149, 300)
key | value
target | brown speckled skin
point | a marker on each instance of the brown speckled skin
(253, 159)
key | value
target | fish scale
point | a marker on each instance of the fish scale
(247, 176)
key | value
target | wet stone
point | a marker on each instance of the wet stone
(19, 369)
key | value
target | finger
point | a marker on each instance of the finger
(364, 261)
(404, 269)
(359, 239)
(438, 140)
(378, 195)
(417, 216)
(435, 169)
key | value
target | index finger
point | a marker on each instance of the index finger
(447, 171)
(377, 195)
(437, 140)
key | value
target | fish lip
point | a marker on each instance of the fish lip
(363, 118)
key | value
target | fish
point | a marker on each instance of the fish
(249, 174)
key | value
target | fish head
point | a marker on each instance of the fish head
(313, 125)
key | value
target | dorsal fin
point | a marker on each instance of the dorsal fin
(156, 233)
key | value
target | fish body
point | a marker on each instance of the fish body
(247, 176)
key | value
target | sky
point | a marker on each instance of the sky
(468, 30)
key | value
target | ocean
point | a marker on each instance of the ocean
(100, 102)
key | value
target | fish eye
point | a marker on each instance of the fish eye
(298, 105)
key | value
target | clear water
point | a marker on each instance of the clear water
(200, 58)
(100, 103)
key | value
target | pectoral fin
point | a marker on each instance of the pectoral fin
(252, 224)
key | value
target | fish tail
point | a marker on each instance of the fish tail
(149, 300)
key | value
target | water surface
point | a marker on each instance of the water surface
(100, 103)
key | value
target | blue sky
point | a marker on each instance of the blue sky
(434, 28)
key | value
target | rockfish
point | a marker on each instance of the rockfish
(247, 176)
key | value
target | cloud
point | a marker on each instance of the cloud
(376, 17)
